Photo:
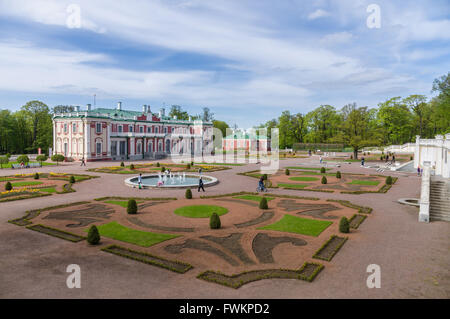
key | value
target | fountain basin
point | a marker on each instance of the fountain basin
(188, 181)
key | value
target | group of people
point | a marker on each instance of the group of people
(161, 183)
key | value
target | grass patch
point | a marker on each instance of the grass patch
(295, 186)
(123, 203)
(254, 197)
(303, 179)
(200, 211)
(9, 165)
(117, 231)
(298, 225)
(20, 184)
(363, 182)
(48, 189)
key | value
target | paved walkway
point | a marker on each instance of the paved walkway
(413, 256)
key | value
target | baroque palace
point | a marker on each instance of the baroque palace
(116, 134)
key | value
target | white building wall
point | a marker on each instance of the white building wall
(436, 152)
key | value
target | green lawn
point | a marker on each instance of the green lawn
(255, 198)
(6, 179)
(123, 203)
(9, 165)
(307, 168)
(303, 179)
(200, 211)
(315, 173)
(288, 185)
(363, 182)
(48, 189)
(117, 231)
(298, 225)
(21, 184)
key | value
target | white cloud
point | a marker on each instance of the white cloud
(319, 13)
(337, 38)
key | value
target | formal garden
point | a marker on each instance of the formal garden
(24, 186)
(230, 239)
(159, 167)
(322, 179)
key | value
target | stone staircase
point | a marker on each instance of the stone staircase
(440, 199)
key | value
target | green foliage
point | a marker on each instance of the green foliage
(131, 166)
(132, 206)
(93, 237)
(264, 177)
(263, 203)
(188, 194)
(72, 179)
(23, 158)
(214, 221)
(188, 166)
(287, 171)
(344, 225)
(3, 160)
(122, 164)
(163, 169)
(157, 164)
(389, 180)
(322, 170)
(36, 175)
(338, 174)
(57, 158)
(41, 158)
(324, 180)
(8, 186)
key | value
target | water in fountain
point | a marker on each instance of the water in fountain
(184, 176)
(159, 177)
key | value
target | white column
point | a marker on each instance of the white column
(424, 213)
(108, 139)
(87, 140)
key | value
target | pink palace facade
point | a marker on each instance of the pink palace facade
(116, 134)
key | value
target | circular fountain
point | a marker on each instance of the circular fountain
(170, 180)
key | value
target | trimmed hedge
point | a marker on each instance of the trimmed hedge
(263, 203)
(36, 176)
(324, 180)
(287, 171)
(344, 225)
(338, 174)
(8, 186)
(188, 194)
(132, 206)
(322, 170)
(214, 221)
(93, 237)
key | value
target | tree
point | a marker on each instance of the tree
(214, 221)
(23, 158)
(63, 109)
(41, 158)
(344, 225)
(207, 115)
(188, 194)
(39, 118)
(417, 104)
(132, 206)
(57, 158)
(176, 110)
(222, 126)
(263, 203)
(323, 124)
(395, 120)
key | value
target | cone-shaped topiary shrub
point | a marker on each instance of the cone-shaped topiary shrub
(72, 179)
(381, 157)
(8, 186)
(214, 221)
(344, 225)
(389, 180)
(351, 156)
(188, 166)
(122, 164)
(93, 237)
(322, 170)
(188, 194)
(263, 203)
(411, 158)
(157, 164)
(264, 177)
(163, 169)
(132, 166)
(338, 174)
(192, 163)
(287, 171)
(324, 180)
(36, 175)
(132, 206)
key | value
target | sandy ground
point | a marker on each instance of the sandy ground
(413, 256)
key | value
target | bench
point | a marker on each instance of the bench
(33, 165)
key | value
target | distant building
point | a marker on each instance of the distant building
(246, 141)
(116, 134)
(434, 151)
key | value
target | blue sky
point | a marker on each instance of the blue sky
(245, 60)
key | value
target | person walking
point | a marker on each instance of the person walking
(418, 170)
(393, 158)
(362, 161)
(200, 184)
(320, 160)
(309, 152)
(261, 184)
(83, 162)
(140, 180)
(200, 171)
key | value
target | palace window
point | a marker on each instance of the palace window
(98, 127)
(99, 147)
(65, 127)
(120, 128)
(74, 128)
(141, 129)
(130, 129)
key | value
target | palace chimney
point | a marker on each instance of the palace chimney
(119, 106)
